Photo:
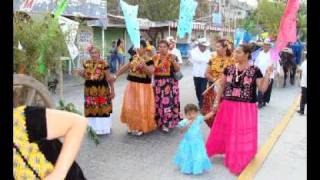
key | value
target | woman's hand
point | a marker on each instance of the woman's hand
(112, 94)
(112, 78)
(215, 108)
(269, 71)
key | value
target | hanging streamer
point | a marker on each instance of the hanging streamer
(238, 37)
(187, 11)
(61, 6)
(70, 28)
(130, 16)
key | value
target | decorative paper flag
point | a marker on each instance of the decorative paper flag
(247, 37)
(20, 46)
(130, 16)
(61, 5)
(70, 28)
(27, 5)
(238, 36)
(217, 19)
(187, 11)
(288, 28)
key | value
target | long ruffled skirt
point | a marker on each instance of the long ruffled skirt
(234, 133)
(138, 108)
(167, 102)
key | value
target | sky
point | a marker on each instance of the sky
(253, 3)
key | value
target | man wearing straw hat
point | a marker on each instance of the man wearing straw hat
(199, 57)
(263, 61)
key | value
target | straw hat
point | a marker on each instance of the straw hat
(267, 41)
(203, 41)
(170, 39)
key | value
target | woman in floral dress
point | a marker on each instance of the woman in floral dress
(214, 71)
(166, 88)
(98, 92)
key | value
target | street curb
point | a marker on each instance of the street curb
(251, 170)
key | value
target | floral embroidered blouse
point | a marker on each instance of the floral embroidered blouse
(245, 90)
(217, 64)
(95, 70)
(136, 74)
(164, 68)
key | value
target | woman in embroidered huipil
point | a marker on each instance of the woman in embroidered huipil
(98, 92)
(37, 151)
(214, 71)
(166, 88)
(138, 108)
(234, 130)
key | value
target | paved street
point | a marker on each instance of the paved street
(120, 156)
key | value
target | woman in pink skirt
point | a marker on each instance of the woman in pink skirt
(234, 131)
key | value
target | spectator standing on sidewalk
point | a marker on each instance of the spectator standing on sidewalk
(303, 85)
(120, 53)
(113, 58)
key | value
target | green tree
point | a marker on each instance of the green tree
(268, 15)
(29, 33)
(153, 10)
(302, 21)
(158, 10)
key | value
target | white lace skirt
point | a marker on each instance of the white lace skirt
(102, 125)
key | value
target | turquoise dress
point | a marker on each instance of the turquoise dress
(191, 156)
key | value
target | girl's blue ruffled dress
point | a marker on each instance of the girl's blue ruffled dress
(191, 156)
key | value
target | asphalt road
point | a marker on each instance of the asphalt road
(120, 156)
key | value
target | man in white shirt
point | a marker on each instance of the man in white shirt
(199, 57)
(173, 49)
(263, 61)
(303, 84)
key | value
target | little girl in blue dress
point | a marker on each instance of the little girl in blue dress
(191, 156)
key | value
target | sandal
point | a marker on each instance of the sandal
(165, 129)
(137, 133)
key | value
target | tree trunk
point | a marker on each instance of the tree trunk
(21, 69)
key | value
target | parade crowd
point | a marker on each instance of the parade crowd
(230, 85)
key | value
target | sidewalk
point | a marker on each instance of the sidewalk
(288, 158)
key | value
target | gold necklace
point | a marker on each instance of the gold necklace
(237, 73)
(93, 70)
